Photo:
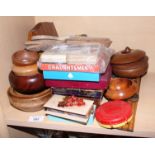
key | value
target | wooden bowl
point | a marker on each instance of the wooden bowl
(27, 84)
(127, 56)
(29, 70)
(24, 58)
(121, 88)
(131, 73)
(119, 84)
(28, 103)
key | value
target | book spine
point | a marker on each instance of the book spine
(98, 94)
(79, 76)
(70, 67)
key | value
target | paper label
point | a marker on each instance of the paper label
(35, 118)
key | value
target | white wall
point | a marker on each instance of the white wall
(136, 32)
(13, 33)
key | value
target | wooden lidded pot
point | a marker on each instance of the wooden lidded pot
(129, 63)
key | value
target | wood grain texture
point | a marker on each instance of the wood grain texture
(43, 28)
(141, 63)
(131, 73)
(27, 84)
(121, 88)
(29, 70)
(25, 57)
(134, 103)
(28, 103)
(127, 56)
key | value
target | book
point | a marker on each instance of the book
(76, 113)
(69, 67)
(63, 120)
(98, 94)
(101, 85)
(76, 76)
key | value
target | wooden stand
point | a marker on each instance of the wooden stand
(134, 103)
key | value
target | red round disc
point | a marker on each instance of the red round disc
(113, 112)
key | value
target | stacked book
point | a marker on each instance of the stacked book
(57, 107)
(76, 69)
(81, 70)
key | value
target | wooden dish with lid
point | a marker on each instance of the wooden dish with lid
(129, 63)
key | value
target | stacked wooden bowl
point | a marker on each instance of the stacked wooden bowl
(129, 63)
(27, 91)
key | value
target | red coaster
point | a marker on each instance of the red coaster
(114, 113)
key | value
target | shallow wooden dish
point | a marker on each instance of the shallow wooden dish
(24, 58)
(27, 84)
(121, 88)
(28, 103)
(29, 70)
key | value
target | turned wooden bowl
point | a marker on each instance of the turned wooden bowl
(131, 73)
(29, 70)
(127, 56)
(24, 58)
(141, 63)
(28, 103)
(27, 84)
(121, 88)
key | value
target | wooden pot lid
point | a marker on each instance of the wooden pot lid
(131, 73)
(121, 88)
(127, 56)
(28, 103)
(29, 70)
(24, 58)
(113, 114)
(27, 84)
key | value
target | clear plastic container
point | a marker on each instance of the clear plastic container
(93, 54)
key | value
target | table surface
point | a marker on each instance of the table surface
(144, 121)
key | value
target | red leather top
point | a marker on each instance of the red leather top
(113, 112)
